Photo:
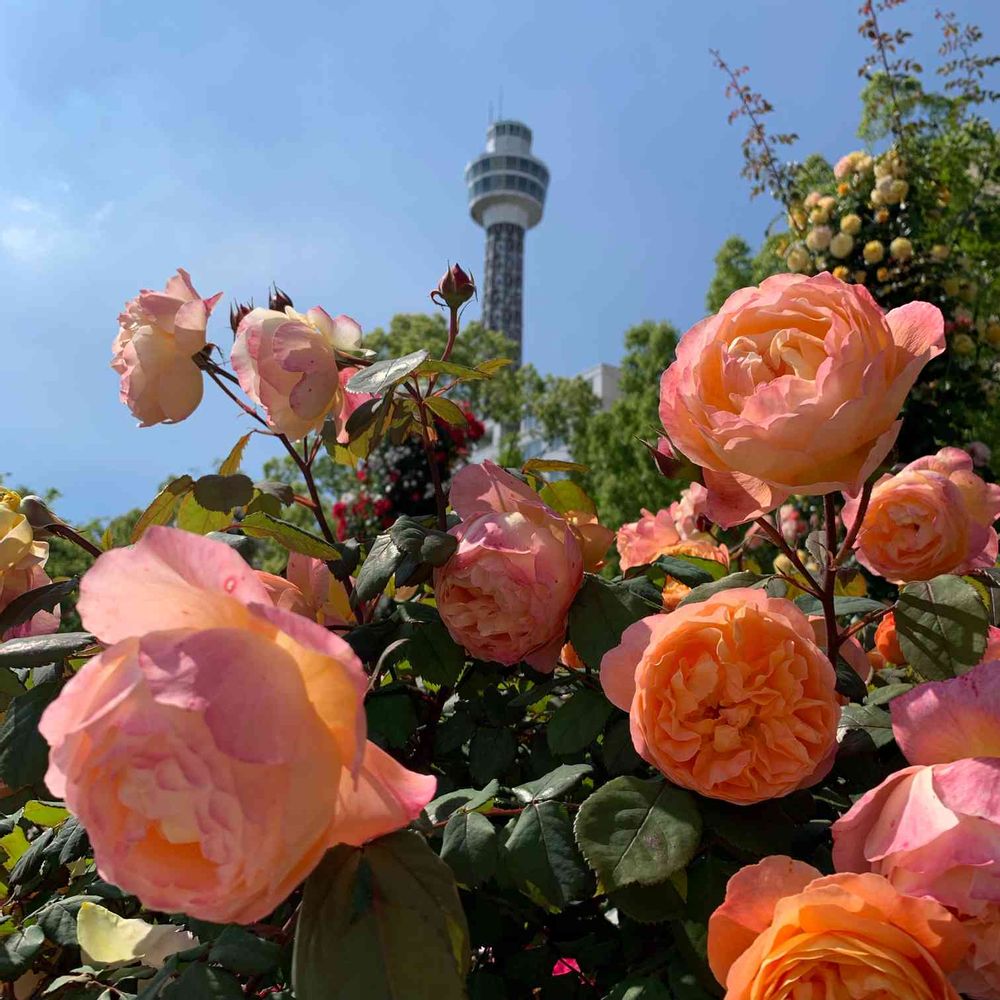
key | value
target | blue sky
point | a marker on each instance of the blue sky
(322, 144)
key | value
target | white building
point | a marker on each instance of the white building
(603, 380)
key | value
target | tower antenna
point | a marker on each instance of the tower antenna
(500, 108)
(490, 122)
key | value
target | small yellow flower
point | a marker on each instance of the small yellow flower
(797, 259)
(882, 216)
(940, 252)
(962, 344)
(843, 188)
(873, 252)
(901, 248)
(860, 277)
(844, 273)
(882, 274)
(992, 333)
(851, 224)
(9, 499)
(819, 216)
(951, 286)
(818, 238)
(841, 245)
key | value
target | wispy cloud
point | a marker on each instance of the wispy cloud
(33, 232)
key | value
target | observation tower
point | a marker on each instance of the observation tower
(507, 188)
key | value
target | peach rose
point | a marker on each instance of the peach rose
(286, 362)
(309, 588)
(505, 593)
(158, 333)
(730, 697)
(933, 829)
(934, 516)
(643, 541)
(887, 640)
(793, 387)
(216, 748)
(21, 569)
(785, 932)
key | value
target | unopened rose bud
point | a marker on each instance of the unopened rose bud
(664, 457)
(236, 313)
(454, 289)
(278, 300)
(38, 514)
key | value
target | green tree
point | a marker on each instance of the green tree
(733, 270)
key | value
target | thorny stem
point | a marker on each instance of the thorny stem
(775, 536)
(828, 597)
(852, 535)
(872, 616)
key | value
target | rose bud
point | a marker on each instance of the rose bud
(278, 300)
(454, 289)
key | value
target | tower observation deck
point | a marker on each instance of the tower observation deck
(507, 187)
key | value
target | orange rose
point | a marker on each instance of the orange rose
(887, 641)
(731, 697)
(786, 933)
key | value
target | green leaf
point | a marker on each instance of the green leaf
(618, 752)
(391, 717)
(542, 858)
(552, 465)
(234, 459)
(449, 412)
(883, 695)
(706, 590)
(383, 375)
(69, 844)
(191, 516)
(381, 922)
(844, 606)
(24, 754)
(578, 722)
(223, 493)
(639, 988)
(199, 982)
(470, 848)
(638, 831)
(162, 508)
(564, 496)
(431, 367)
(874, 721)
(432, 653)
(244, 953)
(849, 681)
(261, 525)
(461, 800)
(426, 545)
(37, 650)
(27, 605)
(377, 569)
(491, 752)
(494, 365)
(649, 904)
(942, 626)
(14, 846)
(603, 609)
(692, 571)
(44, 813)
(558, 782)
(17, 951)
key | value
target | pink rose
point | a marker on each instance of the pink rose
(933, 829)
(287, 363)
(158, 333)
(935, 516)
(505, 593)
(793, 387)
(309, 588)
(691, 512)
(979, 453)
(791, 524)
(352, 400)
(641, 542)
(216, 748)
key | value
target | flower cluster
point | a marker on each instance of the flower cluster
(22, 567)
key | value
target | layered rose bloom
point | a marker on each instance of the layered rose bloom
(505, 593)
(690, 511)
(22, 561)
(287, 363)
(933, 829)
(934, 516)
(309, 588)
(785, 932)
(793, 387)
(730, 697)
(158, 333)
(216, 748)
